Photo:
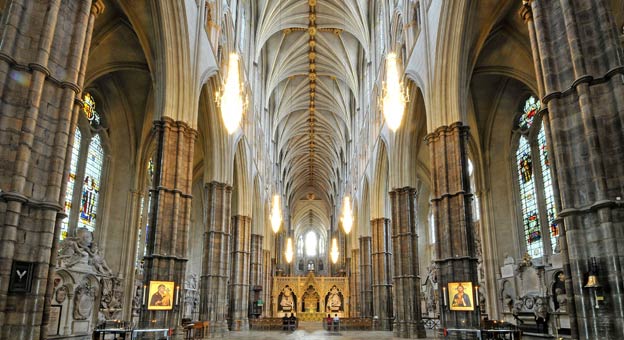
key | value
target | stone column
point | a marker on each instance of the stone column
(171, 212)
(579, 65)
(451, 203)
(354, 282)
(408, 321)
(256, 269)
(269, 267)
(43, 56)
(366, 278)
(215, 264)
(239, 274)
(382, 272)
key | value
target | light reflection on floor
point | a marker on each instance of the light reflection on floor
(312, 331)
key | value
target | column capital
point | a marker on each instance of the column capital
(525, 11)
(457, 127)
(218, 185)
(97, 7)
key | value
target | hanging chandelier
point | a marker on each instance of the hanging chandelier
(394, 96)
(334, 251)
(289, 250)
(276, 214)
(231, 100)
(347, 215)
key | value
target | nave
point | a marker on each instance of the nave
(398, 164)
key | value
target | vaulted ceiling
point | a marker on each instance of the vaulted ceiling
(312, 51)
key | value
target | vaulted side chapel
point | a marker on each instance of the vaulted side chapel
(283, 169)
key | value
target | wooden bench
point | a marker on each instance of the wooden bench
(267, 324)
(197, 330)
(349, 324)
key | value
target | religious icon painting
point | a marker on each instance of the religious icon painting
(161, 295)
(460, 296)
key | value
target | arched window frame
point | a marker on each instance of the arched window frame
(88, 130)
(546, 210)
(145, 206)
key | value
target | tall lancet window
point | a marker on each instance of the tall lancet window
(535, 189)
(82, 193)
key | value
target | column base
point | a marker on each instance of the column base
(409, 330)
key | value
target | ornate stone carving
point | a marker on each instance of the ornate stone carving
(191, 282)
(136, 299)
(61, 294)
(71, 253)
(83, 301)
(112, 298)
(81, 250)
(96, 259)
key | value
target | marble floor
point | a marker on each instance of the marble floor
(312, 331)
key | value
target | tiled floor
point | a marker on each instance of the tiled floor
(311, 331)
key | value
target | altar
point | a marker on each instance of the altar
(310, 297)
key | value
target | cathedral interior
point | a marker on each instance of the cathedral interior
(413, 168)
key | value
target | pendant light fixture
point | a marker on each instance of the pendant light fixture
(289, 250)
(231, 100)
(347, 215)
(394, 96)
(276, 214)
(334, 251)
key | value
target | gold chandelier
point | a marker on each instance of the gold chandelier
(334, 251)
(347, 215)
(394, 95)
(276, 214)
(231, 101)
(289, 250)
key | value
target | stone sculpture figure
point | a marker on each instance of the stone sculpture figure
(562, 300)
(97, 260)
(334, 301)
(71, 253)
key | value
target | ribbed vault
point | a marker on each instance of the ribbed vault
(310, 50)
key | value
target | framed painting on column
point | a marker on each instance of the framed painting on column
(160, 295)
(461, 297)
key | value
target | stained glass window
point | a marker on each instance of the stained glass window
(85, 171)
(528, 199)
(537, 197)
(88, 107)
(91, 184)
(549, 198)
(71, 179)
(311, 242)
(531, 107)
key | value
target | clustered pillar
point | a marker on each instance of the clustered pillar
(382, 272)
(579, 65)
(354, 283)
(408, 319)
(40, 81)
(366, 278)
(451, 203)
(171, 206)
(215, 264)
(239, 276)
(256, 273)
(269, 268)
